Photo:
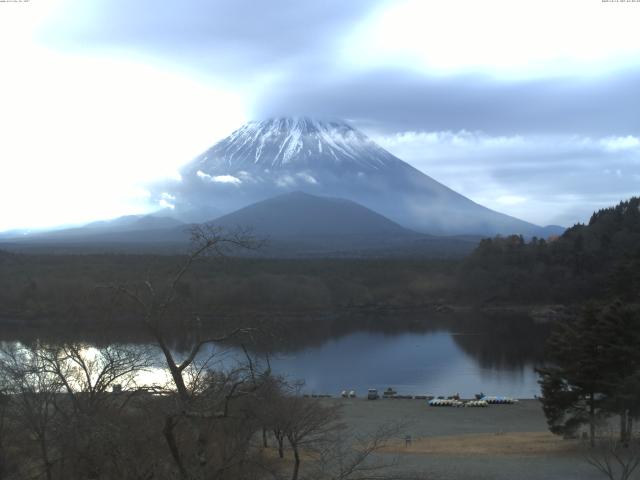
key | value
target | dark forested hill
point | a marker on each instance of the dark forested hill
(597, 260)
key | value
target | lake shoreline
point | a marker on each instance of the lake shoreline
(427, 354)
(537, 312)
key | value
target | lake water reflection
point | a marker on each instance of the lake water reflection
(467, 354)
(432, 363)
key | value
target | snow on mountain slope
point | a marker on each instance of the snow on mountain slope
(294, 142)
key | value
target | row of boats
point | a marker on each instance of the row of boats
(479, 402)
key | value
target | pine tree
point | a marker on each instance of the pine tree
(594, 372)
(618, 329)
(573, 387)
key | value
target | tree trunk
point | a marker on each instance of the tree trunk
(264, 438)
(280, 440)
(176, 373)
(296, 464)
(623, 428)
(167, 431)
(45, 457)
(592, 421)
(201, 446)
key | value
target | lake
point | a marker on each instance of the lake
(468, 355)
(411, 363)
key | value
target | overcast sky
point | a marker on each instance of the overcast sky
(528, 107)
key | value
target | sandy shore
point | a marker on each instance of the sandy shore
(498, 442)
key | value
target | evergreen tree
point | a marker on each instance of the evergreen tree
(594, 371)
(600, 260)
(618, 329)
(573, 386)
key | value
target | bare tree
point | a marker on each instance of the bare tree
(97, 384)
(32, 392)
(349, 457)
(88, 374)
(61, 396)
(201, 396)
(4, 401)
(272, 408)
(308, 425)
(155, 303)
(615, 459)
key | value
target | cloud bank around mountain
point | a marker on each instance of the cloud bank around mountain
(563, 177)
(153, 81)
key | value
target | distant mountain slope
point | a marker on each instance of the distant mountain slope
(118, 227)
(295, 224)
(329, 158)
(299, 214)
(136, 222)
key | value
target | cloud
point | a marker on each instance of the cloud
(500, 37)
(227, 179)
(121, 119)
(240, 40)
(165, 204)
(621, 143)
(219, 178)
(391, 100)
(290, 180)
(155, 82)
(510, 200)
(307, 178)
(541, 178)
(287, 57)
(285, 181)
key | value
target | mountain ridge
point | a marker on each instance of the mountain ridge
(289, 214)
(294, 225)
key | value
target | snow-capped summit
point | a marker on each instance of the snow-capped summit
(267, 158)
(294, 142)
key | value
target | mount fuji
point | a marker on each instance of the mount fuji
(264, 159)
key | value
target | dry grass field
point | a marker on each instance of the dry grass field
(513, 443)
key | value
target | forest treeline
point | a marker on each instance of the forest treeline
(43, 288)
(599, 260)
